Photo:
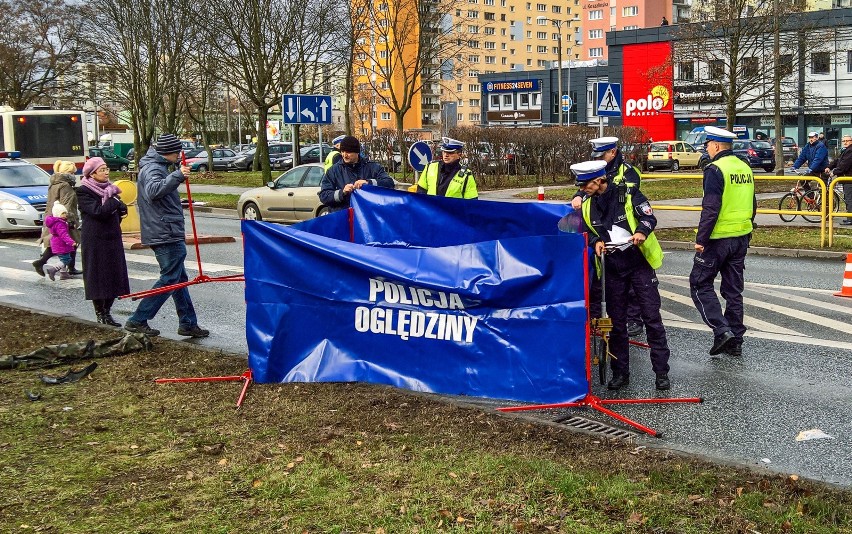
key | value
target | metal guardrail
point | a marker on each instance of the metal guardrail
(830, 202)
(825, 217)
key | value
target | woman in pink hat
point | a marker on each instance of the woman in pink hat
(104, 265)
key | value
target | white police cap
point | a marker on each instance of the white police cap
(813, 134)
(337, 139)
(588, 170)
(719, 134)
(450, 145)
(602, 144)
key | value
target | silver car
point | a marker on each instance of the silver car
(290, 198)
(23, 194)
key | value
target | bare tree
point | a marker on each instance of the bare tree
(145, 41)
(267, 48)
(403, 46)
(38, 50)
(733, 39)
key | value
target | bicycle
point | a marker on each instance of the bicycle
(802, 198)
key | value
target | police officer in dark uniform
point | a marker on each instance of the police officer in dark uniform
(608, 212)
(617, 171)
(721, 244)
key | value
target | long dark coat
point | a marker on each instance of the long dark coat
(104, 266)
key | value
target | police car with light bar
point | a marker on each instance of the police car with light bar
(23, 194)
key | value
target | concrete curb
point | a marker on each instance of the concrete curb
(768, 251)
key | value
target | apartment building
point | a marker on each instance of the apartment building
(602, 16)
(490, 36)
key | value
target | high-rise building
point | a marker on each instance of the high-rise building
(482, 37)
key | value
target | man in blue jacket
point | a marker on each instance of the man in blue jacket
(816, 156)
(161, 217)
(349, 173)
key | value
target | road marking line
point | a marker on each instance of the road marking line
(816, 342)
(210, 267)
(673, 277)
(801, 315)
(30, 274)
(750, 322)
(9, 293)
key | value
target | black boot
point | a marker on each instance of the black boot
(106, 317)
(99, 309)
(72, 265)
(38, 265)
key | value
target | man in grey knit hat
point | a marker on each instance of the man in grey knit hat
(161, 218)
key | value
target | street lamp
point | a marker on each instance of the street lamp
(558, 23)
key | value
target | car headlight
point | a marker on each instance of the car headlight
(11, 205)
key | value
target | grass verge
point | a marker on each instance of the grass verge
(658, 189)
(215, 200)
(797, 237)
(118, 453)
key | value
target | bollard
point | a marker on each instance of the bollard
(541, 192)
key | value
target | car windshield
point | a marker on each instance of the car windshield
(760, 144)
(659, 147)
(22, 176)
(200, 155)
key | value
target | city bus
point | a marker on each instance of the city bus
(42, 136)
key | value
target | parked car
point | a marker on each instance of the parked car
(243, 162)
(636, 155)
(113, 160)
(308, 154)
(221, 157)
(758, 154)
(292, 197)
(23, 194)
(789, 147)
(673, 155)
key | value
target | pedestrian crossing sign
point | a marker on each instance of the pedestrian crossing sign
(609, 99)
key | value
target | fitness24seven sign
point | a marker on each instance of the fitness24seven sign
(647, 89)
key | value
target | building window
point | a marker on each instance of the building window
(555, 51)
(458, 87)
(542, 49)
(821, 63)
(525, 100)
(529, 63)
(595, 34)
(490, 45)
(717, 69)
(473, 29)
(541, 7)
(460, 117)
(474, 117)
(596, 52)
(630, 11)
(502, 61)
(494, 101)
(595, 14)
(686, 70)
(489, 2)
(473, 14)
(383, 54)
(508, 100)
(473, 59)
(634, 27)
(536, 99)
(750, 66)
(529, 20)
(489, 31)
(541, 35)
(557, 9)
(474, 102)
(473, 88)
(490, 16)
(491, 60)
(529, 48)
(502, 46)
(460, 103)
(542, 63)
(529, 35)
(386, 116)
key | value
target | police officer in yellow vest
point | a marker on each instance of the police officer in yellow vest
(617, 171)
(447, 178)
(610, 211)
(721, 244)
(334, 155)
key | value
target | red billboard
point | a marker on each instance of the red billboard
(647, 93)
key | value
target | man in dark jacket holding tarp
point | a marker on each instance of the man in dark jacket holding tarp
(161, 218)
(349, 173)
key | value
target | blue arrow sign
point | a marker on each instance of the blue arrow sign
(306, 109)
(419, 155)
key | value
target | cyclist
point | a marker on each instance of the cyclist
(842, 166)
(816, 156)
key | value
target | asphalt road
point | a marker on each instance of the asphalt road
(792, 377)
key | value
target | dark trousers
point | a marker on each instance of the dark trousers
(724, 256)
(103, 306)
(47, 254)
(643, 280)
(170, 257)
(634, 310)
(847, 197)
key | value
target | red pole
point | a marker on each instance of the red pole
(192, 216)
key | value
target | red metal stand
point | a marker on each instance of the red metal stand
(246, 378)
(201, 278)
(594, 402)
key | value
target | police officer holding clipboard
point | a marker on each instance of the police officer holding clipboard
(721, 244)
(621, 214)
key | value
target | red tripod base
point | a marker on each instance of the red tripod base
(597, 403)
(246, 378)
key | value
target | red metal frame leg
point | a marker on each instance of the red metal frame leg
(246, 378)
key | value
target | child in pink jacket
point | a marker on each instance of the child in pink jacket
(61, 242)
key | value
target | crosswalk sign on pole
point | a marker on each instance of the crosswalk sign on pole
(609, 99)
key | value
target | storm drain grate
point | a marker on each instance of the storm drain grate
(597, 427)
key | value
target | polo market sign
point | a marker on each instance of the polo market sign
(648, 106)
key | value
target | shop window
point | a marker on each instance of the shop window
(821, 63)
(750, 67)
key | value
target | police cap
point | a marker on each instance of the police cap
(719, 134)
(602, 144)
(587, 171)
(450, 145)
